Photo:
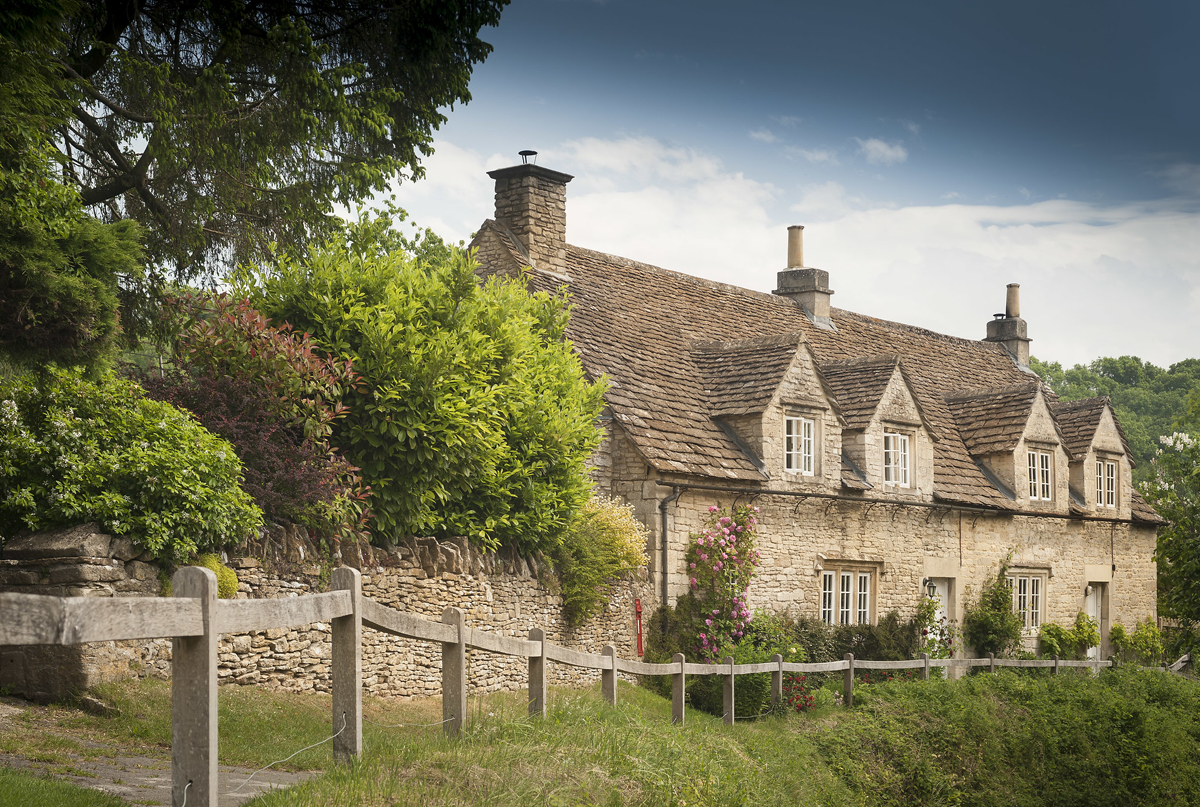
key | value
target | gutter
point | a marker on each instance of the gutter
(676, 491)
(866, 500)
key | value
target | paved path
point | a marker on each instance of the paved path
(145, 780)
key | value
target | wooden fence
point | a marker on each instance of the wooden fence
(193, 618)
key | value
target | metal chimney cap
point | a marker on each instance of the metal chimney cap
(526, 154)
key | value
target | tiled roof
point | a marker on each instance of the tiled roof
(650, 330)
(1078, 421)
(852, 476)
(740, 377)
(993, 420)
(1142, 511)
(858, 385)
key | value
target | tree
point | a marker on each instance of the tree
(473, 416)
(1175, 493)
(225, 126)
(61, 271)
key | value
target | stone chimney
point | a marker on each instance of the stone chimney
(1009, 329)
(531, 202)
(807, 286)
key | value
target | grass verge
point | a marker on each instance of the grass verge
(22, 789)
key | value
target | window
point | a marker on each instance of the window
(1040, 483)
(846, 597)
(895, 459)
(1106, 483)
(1027, 597)
(798, 448)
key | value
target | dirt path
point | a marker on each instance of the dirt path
(137, 779)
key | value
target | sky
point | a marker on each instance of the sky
(934, 151)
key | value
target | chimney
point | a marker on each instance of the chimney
(807, 286)
(1009, 329)
(531, 202)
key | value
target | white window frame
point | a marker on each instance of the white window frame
(799, 439)
(846, 596)
(1106, 483)
(1028, 597)
(827, 597)
(863, 594)
(1041, 475)
(896, 459)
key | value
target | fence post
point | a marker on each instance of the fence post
(454, 673)
(347, 668)
(924, 666)
(537, 675)
(194, 696)
(608, 678)
(677, 682)
(729, 676)
(848, 682)
(1056, 665)
(777, 681)
(992, 662)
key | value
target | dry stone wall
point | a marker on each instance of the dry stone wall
(507, 595)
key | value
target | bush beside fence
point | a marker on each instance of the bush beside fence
(194, 618)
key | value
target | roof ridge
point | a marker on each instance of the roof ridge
(699, 281)
(881, 360)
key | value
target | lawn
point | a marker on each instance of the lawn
(1121, 738)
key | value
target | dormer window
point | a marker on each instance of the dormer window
(1041, 487)
(798, 448)
(895, 459)
(1106, 483)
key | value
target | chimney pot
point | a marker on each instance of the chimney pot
(1012, 304)
(795, 246)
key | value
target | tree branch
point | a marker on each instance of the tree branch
(119, 15)
(87, 87)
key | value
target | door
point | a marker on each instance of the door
(943, 597)
(1091, 607)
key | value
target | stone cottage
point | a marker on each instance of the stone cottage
(886, 460)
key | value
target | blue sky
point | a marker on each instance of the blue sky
(934, 151)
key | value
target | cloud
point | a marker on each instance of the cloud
(912, 127)
(1095, 280)
(952, 195)
(825, 156)
(790, 121)
(763, 136)
(1183, 178)
(879, 152)
(1024, 191)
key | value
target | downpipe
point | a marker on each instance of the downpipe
(676, 491)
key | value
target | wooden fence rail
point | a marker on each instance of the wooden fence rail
(194, 619)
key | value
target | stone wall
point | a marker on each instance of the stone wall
(507, 595)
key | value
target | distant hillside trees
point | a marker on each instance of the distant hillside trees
(1148, 400)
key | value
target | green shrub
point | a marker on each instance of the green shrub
(1144, 646)
(1055, 640)
(605, 541)
(227, 582)
(989, 624)
(73, 451)
(473, 416)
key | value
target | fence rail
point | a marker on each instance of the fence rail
(194, 618)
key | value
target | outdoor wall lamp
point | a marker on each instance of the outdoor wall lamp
(930, 587)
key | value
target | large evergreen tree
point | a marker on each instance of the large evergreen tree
(225, 125)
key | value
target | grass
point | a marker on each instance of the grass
(21, 789)
(1121, 738)
(585, 752)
